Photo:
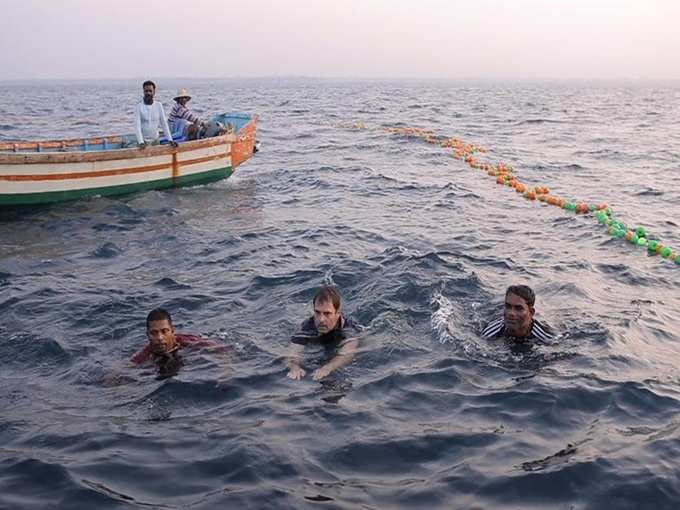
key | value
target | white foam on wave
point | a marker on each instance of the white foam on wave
(440, 318)
(453, 324)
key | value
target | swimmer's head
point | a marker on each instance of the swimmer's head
(326, 309)
(519, 310)
(160, 332)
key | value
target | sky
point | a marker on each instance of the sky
(449, 39)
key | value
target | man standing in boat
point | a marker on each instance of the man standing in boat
(149, 116)
(518, 321)
(327, 328)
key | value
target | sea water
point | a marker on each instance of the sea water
(422, 247)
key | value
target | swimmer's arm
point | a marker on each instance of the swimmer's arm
(220, 350)
(214, 347)
(342, 358)
(295, 371)
(141, 356)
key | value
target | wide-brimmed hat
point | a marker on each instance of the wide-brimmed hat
(182, 93)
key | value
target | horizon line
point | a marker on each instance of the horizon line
(348, 78)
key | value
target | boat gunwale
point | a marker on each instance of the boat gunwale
(9, 157)
(64, 143)
(23, 158)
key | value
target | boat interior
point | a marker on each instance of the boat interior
(232, 122)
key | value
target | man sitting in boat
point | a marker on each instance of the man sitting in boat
(518, 321)
(149, 116)
(327, 328)
(184, 124)
(164, 344)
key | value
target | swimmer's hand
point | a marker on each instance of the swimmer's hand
(296, 373)
(322, 372)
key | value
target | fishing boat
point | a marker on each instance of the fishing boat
(38, 172)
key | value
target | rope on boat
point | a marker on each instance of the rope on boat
(505, 175)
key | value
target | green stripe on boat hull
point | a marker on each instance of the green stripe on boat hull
(123, 189)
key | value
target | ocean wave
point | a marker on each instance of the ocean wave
(33, 352)
(107, 250)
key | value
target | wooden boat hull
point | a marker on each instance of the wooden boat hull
(55, 174)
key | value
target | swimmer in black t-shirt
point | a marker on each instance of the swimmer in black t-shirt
(327, 327)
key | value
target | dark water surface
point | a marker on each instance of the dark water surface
(428, 415)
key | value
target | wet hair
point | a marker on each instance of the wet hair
(524, 292)
(149, 82)
(328, 293)
(158, 314)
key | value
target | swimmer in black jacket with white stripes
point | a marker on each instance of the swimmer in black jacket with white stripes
(518, 318)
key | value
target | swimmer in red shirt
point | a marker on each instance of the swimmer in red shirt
(164, 344)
